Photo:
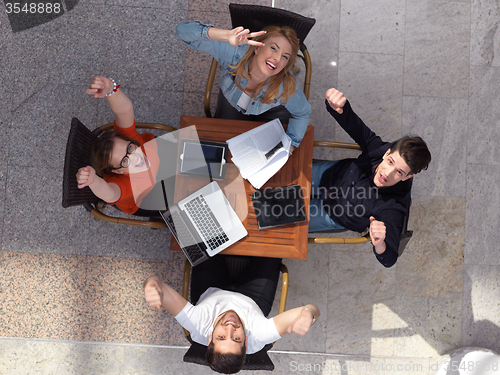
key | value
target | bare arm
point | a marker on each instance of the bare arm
(108, 192)
(119, 103)
(297, 320)
(158, 294)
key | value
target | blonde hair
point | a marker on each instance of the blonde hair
(284, 76)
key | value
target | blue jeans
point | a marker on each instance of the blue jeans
(319, 221)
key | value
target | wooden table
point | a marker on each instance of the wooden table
(288, 241)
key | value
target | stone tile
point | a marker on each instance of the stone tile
(361, 297)
(485, 33)
(297, 363)
(482, 216)
(27, 51)
(149, 46)
(150, 360)
(197, 64)
(322, 41)
(77, 43)
(156, 4)
(350, 365)
(411, 366)
(484, 119)
(433, 325)
(192, 104)
(128, 241)
(322, 48)
(164, 107)
(151, 33)
(373, 85)
(305, 288)
(33, 200)
(432, 264)
(45, 357)
(441, 122)
(481, 307)
(3, 175)
(436, 49)
(375, 27)
(85, 298)
(197, 67)
(40, 125)
(222, 5)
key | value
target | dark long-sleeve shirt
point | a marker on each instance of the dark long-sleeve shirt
(353, 196)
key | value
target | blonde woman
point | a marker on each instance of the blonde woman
(255, 69)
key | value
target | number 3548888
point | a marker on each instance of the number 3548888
(33, 8)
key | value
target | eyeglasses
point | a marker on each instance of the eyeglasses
(125, 163)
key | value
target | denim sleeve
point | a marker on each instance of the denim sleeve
(195, 35)
(300, 110)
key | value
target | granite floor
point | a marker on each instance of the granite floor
(70, 287)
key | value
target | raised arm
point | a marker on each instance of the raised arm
(339, 107)
(119, 103)
(297, 320)
(158, 294)
(220, 44)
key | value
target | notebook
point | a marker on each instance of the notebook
(204, 223)
(279, 206)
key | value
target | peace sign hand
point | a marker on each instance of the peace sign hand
(240, 35)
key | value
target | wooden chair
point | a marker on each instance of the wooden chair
(254, 18)
(256, 361)
(365, 237)
(78, 152)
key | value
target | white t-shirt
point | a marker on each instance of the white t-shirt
(199, 319)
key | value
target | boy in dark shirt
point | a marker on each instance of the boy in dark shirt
(373, 190)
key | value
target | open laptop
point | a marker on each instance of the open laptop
(204, 223)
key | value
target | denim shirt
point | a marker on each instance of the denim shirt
(194, 34)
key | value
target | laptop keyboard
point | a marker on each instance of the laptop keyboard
(193, 251)
(209, 227)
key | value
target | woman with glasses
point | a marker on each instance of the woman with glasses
(124, 162)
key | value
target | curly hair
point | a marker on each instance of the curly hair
(285, 76)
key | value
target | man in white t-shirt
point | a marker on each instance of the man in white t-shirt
(231, 318)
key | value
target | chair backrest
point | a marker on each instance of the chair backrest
(256, 17)
(78, 152)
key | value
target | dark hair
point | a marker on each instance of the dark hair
(414, 152)
(101, 152)
(225, 363)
